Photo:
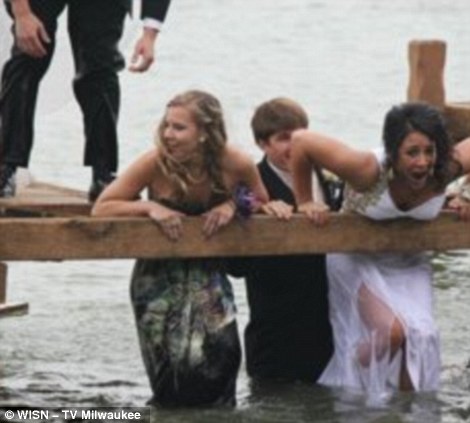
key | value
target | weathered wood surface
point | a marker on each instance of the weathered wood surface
(44, 199)
(458, 120)
(13, 310)
(103, 238)
(3, 283)
(426, 59)
(9, 310)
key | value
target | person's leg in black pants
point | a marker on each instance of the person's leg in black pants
(95, 28)
(19, 89)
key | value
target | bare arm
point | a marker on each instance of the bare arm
(31, 35)
(241, 170)
(247, 174)
(120, 198)
(358, 168)
(252, 179)
(462, 154)
(461, 202)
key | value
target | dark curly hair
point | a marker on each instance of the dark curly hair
(406, 118)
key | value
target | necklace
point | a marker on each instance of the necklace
(196, 180)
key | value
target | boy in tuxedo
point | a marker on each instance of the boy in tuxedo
(288, 336)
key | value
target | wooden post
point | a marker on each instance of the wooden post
(7, 310)
(426, 60)
(3, 283)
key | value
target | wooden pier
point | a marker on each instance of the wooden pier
(46, 222)
(36, 201)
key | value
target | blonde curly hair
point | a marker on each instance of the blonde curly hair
(207, 113)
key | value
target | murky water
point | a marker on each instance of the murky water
(345, 61)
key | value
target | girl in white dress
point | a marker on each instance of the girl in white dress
(381, 304)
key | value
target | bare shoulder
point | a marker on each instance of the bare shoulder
(150, 157)
(235, 160)
(146, 162)
(142, 171)
(363, 172)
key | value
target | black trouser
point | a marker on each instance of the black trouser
(95, 28)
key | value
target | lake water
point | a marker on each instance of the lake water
(346, 62)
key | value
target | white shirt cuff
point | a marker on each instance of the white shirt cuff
(152, 23)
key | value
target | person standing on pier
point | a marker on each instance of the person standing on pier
(381, 304)
(95, 28)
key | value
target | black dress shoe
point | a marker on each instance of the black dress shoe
(7, 181)
(98, 184)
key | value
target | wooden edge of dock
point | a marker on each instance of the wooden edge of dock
(42, 199)
(13, 310)
(84, 238)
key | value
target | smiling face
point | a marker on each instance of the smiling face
(277, 149)
(181, 134)
(416, 160)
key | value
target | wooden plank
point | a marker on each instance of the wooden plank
(44, 199)
(9, 310)
(42, 209)
(3, 283)
(104, 238)
(13, 310)
(458, 119)
(426, 59)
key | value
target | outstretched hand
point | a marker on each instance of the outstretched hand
(318, 213)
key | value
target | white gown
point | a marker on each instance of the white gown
(401, 281)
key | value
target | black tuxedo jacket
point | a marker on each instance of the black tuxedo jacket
(289, 335)
(155, 9)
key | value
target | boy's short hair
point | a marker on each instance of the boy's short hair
(276, 115)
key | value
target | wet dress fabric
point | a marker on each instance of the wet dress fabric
(185, 317)
(403, 282)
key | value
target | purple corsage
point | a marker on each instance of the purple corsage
(245, 201)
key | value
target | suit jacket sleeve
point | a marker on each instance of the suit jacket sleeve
(155, 9)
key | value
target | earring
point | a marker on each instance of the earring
(202, 140)
(390, 174)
